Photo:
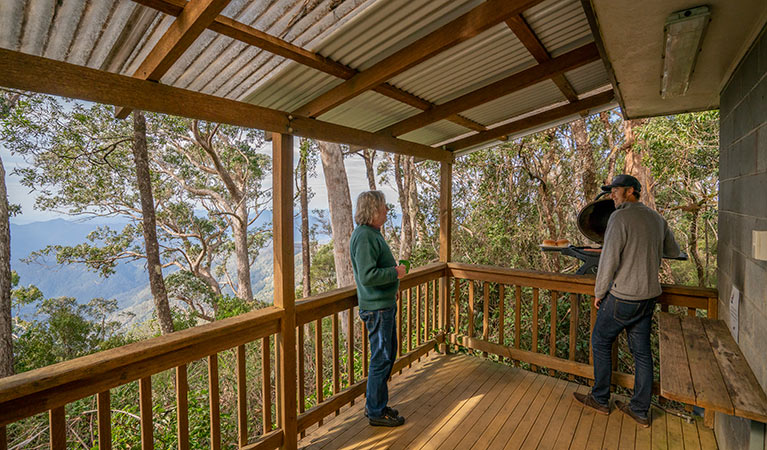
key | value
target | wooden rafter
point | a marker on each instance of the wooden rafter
(522, 29)
(257, 38)
(34, 73)
(520, 80)
(588, 103)
(196, 16)
(484, 16)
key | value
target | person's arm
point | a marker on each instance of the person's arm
(609, 260)
(366, 255)
(670, 247)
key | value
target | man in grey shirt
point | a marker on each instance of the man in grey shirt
(625, 293)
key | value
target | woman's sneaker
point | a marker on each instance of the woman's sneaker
(390, 418)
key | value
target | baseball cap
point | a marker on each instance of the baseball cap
(624, 180)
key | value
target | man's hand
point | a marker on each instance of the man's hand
(401, 271)
(597, 302)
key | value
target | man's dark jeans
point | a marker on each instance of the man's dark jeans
(635, 316)
(383, 352)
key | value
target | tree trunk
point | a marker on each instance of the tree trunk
(6, 338)
(635, 166)
(369, 156)
(692, 241)
(303, 190)
(403, 189)
(156, 281)
(340, 204)
(586, 160)
(240, 235)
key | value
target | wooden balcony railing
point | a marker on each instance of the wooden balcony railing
(249, 338)
(521, 297)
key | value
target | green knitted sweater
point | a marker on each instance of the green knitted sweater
(374, 269)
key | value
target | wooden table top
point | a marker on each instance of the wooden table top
(701, 364)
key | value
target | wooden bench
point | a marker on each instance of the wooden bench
(702, 365)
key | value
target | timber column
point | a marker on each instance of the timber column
(284, 282)
(445, 236)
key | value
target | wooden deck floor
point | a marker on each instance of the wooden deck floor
(464, 402)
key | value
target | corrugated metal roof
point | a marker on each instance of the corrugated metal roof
(116, 35)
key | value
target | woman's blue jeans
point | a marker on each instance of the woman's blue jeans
(382, 335)
(635, 316)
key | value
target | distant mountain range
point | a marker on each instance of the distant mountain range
(129, 285)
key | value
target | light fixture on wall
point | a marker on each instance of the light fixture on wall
(682, 38)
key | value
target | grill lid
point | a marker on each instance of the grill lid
(592, 220)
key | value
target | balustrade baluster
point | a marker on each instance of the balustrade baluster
(58, 423)
(336, 362)
(350, 348)
(517, 318)
(104, 419)
(485, 314)
(418, 317)
(301, 371)
(427, 304)
(553, 337)
(471, 308)
(242, 398)
(501, 315)
(182, 408)
(145, 412)
(3, 438)
(215, 408)
(535, 326)
(365, 344)
(409, 321)
(574, 306)
(457, 295)
(593, 320)
(318, 362)
(399, 324)
(692, 312)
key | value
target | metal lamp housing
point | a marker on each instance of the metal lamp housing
(683, 36)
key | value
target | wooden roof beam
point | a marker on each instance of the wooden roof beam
(196, 16)
(257, 38)
(520, 80)
(34, 73)
(591, 102)
(522, 29)
(479, 19)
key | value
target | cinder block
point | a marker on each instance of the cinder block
(755, 285)
(744, 155)
(751, 196)
(761, 143)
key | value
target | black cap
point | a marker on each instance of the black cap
(624, 180)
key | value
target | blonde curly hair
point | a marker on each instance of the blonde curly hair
(368, 204)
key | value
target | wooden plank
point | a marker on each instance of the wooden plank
(4, 439)
(710, 390)
(215, 407)
(409, 320)
(517, 318)
(485, 314)
(457, 295)
(553, 331)
(612, 433)
(675, 376)
(365, 346)
(674, 431)
(242, 397)
(574, 307)
(592, 320)
(182, 408)
(145, 412)
(272, 440)
(474, 424)
(582, 431)
(284, 281)
(659, 436)
(104, 419)
(528, 38)
(497, 434)
(427, 305)
(568, 61)
(628, 433)
(547, 397)
(690, 436)
(551, 417)
(481, 18)
(581, 106)
(418, 316)
(350, 347)
(336, 356)
(706, 435)
(318, 365)
(266, 384)
(58, 429)
(196, 16)
(470, 314)
(564, 435)
(598, 432)
(534, 345)
(748, 398)
(34, 73)
(643, 437)
(301, 369)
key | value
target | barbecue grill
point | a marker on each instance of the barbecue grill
(592, 223)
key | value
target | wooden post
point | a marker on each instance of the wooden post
(182, 407)
(58, 434)
(445, 237)
(103, 406)
(145, 412)
(215, 408)
(284, 282)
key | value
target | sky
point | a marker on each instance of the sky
(355, 171)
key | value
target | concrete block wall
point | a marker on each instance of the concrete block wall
(743, 208)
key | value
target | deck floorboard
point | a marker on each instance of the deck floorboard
(462, 401)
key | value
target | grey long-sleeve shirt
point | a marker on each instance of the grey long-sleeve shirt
(636, 239)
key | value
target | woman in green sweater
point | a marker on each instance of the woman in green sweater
(377, 276)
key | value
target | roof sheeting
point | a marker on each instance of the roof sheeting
(117, 35)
